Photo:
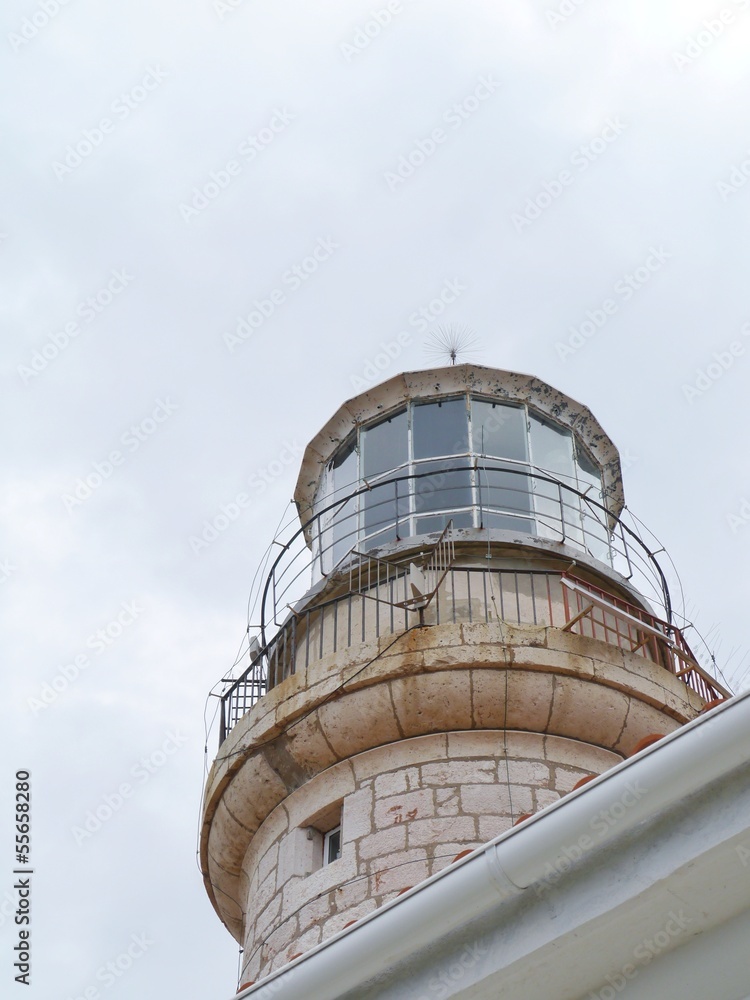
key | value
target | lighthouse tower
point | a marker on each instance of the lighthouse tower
(458, 632)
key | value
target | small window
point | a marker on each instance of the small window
(323, 836)
(332, 846)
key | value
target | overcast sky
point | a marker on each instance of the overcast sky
(214, 216)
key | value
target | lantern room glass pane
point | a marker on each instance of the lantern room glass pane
(588, 476)
(595, 521)
(505, 522)
(383, 507)
(344, 467)
(440, 428)
(499, 430)
(344, 473)
(557, 508)
(439, 522)
(552, 448)
(447, 488)
(385, 446)
(504, 488)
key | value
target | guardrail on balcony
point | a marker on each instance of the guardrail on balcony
(527, 502)
(466, 594)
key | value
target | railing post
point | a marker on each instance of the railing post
(562, 510)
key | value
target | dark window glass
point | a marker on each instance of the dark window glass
(332, 843)
(344, 516)
(504, 522)
(386, 512)
(552, 448)
(504, 490)
(499, 430)
(588, 476)
(447, 487)
(385, 445)
(440, 428)
(594, 520)
(438, 522)
(344, 467)
(556, 506)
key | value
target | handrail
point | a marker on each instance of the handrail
(584, 506)
(539, 597)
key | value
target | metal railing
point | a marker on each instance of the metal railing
(527, 501)
(379, 603)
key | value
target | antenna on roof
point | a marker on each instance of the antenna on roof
(452, 343)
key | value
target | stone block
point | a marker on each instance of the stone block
(405, 752)
(268, 864)
(307, 746)
(383, 843)
(319, 793)
(342, 721)
(393, 783)
(433, 702)
(447, 802)
(492, 826)
(398, 809)
(338, 921)
(441, 830)
(544, 797)
(529, 696)
(474, 744)
(524, 772)
(586, 711)
(458, 772)
(406, 868)
(357, 814)
(268, 918)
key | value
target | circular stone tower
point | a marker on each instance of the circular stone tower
(460, 631)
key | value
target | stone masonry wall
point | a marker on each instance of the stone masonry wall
(407, 810)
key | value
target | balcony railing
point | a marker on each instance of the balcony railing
(525, 502)
(375, 605)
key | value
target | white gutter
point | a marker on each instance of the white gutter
(643, 787)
